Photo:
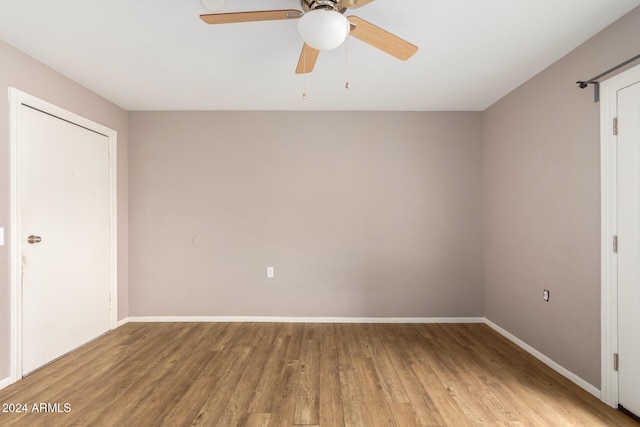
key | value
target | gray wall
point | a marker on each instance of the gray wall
(22, 72)
(542, 204)
(361, 214)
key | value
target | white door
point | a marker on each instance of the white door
(629, 248)
(64, 203)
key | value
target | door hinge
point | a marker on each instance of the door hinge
(615, 244)
(615, 361)
(615, 125)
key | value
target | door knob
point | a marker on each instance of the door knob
(34, 239)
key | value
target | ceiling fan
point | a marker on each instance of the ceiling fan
(323, 26)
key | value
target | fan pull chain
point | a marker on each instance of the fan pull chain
(347, 85)
(304, 73)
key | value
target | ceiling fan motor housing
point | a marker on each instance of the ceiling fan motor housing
(308, 5)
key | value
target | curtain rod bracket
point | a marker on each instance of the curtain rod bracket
(596, 88)
(594, 80)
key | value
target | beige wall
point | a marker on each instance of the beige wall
(361, 214)
(542, 204)
(22, 72)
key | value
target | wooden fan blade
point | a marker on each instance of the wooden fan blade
(265, 15)
(354, 4)
(307, 61)
(381, 39)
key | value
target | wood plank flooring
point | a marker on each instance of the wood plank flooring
(282, 374)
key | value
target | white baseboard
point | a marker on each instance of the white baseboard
(263, 319)
(5, 382)
(122, 322)
(546, 360)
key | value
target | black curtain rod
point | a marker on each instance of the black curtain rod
(594, 80)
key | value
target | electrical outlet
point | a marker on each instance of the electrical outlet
(270, 272)
(545, 295)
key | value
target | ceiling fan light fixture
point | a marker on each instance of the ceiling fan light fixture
(323, 29)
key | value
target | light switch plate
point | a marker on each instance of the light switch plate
(1, 236)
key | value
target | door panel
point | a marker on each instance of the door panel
(629, 248)
(64, 187)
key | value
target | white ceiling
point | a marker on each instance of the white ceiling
(158, 54)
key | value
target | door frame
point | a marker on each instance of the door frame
(18, 98)
(609, 228)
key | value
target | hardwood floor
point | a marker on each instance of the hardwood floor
(277, 374)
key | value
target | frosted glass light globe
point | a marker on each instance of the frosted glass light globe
(323, 29)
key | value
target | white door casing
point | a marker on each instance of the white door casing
(620, 168)
(36, 308)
